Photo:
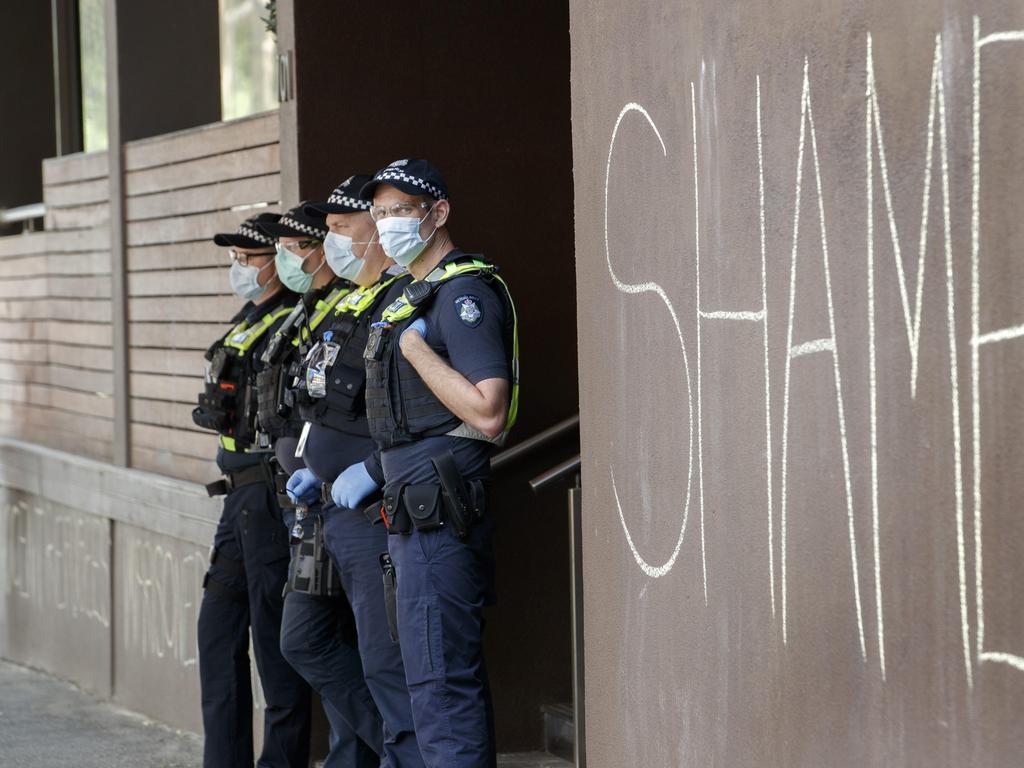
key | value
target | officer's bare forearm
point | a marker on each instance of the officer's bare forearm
(482, 406)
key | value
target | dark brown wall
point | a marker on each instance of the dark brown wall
(170, 70)
(27, 132)
(482, 90)
(845, 592)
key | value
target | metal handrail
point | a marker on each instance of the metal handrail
(567, 467)
(22, 213)
(536, 442)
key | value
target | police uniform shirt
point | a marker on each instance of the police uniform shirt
(328, 451)
(469, 322)
(233, 461)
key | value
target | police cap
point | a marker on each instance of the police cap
(344, 199)
(298, 223)
(412, 176)
(249, 233)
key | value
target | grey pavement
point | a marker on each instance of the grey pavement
(48, 723)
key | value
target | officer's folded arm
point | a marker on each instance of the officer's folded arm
(483, 405)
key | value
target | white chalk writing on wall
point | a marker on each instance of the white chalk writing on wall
(58, 560)
(162, 592)
(935, 128)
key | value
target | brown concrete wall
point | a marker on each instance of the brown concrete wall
(158, 588)
(800, 405)
(56, 589)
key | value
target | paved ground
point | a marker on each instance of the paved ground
(47, 723)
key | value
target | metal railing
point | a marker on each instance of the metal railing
(535, 443)
(25, 214)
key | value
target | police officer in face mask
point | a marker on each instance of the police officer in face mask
(441, 392)
(317, 629)
(330, 396)
(248, 566)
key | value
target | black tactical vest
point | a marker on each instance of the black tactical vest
(331, 383)
(228, 403)
(400, 407)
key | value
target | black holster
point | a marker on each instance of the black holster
(390, 594)
(311, 570)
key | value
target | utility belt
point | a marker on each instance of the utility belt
(371, 510)
(258, 473)
(453, 502)
(311, 570)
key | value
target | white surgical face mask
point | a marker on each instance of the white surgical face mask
(400, 237)
(245, 281)
(340, 257)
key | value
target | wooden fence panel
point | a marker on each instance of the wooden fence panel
(56, 337)
(181, 190)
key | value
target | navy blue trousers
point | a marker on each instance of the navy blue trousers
(443, 585)
(318, 640)
(242, 592)
(356, 546)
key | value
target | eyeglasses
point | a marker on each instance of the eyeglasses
(379, 212)
(243, 258)
(300, 245)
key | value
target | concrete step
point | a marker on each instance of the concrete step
(532, 760)
(558, 730)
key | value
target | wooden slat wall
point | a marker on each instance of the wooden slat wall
(55, 334)
(180, 190)
(56, 379)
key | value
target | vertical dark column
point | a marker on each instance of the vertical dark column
(163, 75)
(483, 92)
(118, 266)
(67, 82)
(26, 91)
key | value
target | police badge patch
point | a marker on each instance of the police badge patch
(469, 310)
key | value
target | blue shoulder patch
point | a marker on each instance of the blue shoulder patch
(469, 310)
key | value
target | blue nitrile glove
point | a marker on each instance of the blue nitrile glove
(419, 325)
(352, 486)
(303, 486)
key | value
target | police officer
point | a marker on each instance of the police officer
(248, 566)
(331, 399)
(317, 628)
(442, 390)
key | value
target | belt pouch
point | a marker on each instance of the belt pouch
(423, 503)
(394, 512)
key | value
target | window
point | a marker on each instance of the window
(248, 67)
(93, 61)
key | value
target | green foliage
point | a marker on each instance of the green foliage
(270, 20)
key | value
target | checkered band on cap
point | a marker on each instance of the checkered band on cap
(288, 221)
(245, 229)
(339, 198)
(392, 173)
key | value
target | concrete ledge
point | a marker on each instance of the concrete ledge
(155, 503)
(101, 572)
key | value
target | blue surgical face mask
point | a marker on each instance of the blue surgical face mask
(400, 237)
(289, 269)
(245, 281)
(340, 257)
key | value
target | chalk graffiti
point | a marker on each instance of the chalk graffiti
(654, 571)
(936, 142)
(162, 592)
(58, 560)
